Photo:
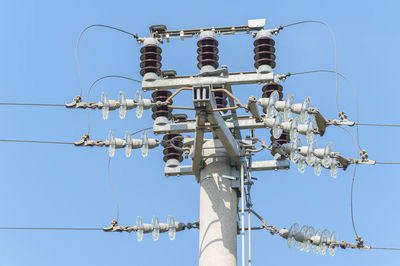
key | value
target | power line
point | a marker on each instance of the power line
(34, 104)
(352, 182)
(35, 141)
(378, 125)
(79, 40)
(334, 45)
(387, 162)
(53, 228)
(386, 248)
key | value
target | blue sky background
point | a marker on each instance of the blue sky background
(61, 185)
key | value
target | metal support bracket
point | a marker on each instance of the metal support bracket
(255, 166)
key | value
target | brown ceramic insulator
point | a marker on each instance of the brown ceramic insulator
(163, 110)
(269, 88)
(207, 52)
(264, 52)
(170, 152)
(284, 138)
(150, 60)
(220, 100)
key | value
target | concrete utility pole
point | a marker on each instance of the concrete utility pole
(218, 209)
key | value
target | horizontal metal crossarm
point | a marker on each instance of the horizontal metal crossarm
(237, 78)
(242, 122)
(253, 25)
(255, 166)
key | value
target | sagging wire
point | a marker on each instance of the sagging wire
(358, 238)
(79, 40)
(334, 45)
(111, 182)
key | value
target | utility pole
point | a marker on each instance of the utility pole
(218, 208)
(223, 164)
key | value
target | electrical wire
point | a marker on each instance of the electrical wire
(385, 248)
(351, 85)
(53, 228)
(79, 40)
(352, 183)
(34, 104)
(35, 141)
(144, 129)
(113, 189)
(110, 179)
(335, 48)
(99, 79)
(378, 125)
(387, 162)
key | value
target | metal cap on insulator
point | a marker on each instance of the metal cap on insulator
(150, 59)
(264, 52)
(207, 52)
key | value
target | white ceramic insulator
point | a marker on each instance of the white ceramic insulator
(113, 104)
(263, 102)
(153, 143)
(319, 153)
(136, 143)
(296, 108)
(119, 143)
(146, 104)
(303, 150)
(280, 106)
(269, 122)
(302, 129)
(286, 126)
(130, 104)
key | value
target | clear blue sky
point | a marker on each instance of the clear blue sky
(57, 185)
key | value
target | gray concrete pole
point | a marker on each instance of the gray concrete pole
(218, 210)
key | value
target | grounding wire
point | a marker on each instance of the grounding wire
(335, 48)
(99, 79)
(79, 40)
(350, 83)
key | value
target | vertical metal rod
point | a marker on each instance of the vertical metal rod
(249, 218)
(242, 193)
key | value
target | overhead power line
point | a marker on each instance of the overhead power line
(34, 104)
(54, 228)
(79, 40)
